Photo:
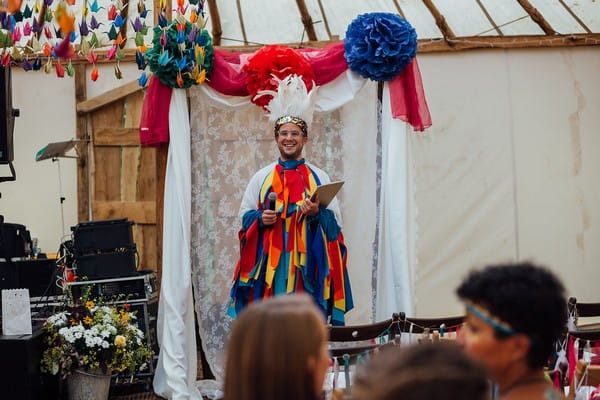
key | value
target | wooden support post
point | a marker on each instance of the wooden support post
(83, 178)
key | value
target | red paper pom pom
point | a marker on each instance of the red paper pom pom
(280, 61)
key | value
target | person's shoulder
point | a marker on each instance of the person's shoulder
(534, 392)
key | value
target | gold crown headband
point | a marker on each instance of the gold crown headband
(294, 120)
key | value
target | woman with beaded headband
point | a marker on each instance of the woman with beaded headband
(294, 244)
(514, 315)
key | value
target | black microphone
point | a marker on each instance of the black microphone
(272, 199)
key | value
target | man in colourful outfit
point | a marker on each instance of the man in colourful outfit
(298, 246)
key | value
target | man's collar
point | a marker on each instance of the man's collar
(290, 164)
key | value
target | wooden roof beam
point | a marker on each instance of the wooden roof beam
(537, 17)
(439, 20)
(215, 19)
(579, 21)
(489, 18)
(508, 42)
(307, 20)
(325, 21)
(399, 9)
(241, 17)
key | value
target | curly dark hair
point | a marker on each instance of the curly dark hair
(421, 372)
(528, 297)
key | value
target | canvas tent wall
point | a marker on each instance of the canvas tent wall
(506, 171)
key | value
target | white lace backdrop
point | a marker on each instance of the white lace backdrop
(230, 143)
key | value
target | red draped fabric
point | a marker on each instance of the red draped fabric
(154, 123)
(407, 96)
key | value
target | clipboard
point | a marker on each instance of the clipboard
(327, 192)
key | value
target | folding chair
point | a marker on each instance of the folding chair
(352, 338)
(429, 326)
(349, 344)
(582, 310)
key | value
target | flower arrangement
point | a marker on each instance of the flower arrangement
(379, 46)
(269, 65)
(93, 336)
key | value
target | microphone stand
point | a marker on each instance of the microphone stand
(61, 197)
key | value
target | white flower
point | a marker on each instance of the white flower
(59, 319)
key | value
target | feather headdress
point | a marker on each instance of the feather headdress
(291, 100)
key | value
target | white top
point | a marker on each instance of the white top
(252, 193)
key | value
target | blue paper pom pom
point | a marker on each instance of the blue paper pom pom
(379, 46)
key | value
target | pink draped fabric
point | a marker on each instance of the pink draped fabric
(229, 79)
(154, 123)
(227, 76)
(328, 62)
(407, 98)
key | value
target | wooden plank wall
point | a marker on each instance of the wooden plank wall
(124, 173)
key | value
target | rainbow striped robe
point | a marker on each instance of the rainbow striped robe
(297, 253)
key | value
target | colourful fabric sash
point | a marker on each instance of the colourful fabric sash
(297, 253)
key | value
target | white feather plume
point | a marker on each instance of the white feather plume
(291, 99)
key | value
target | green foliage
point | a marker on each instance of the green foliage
(89, 335)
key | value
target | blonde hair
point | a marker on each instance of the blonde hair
(269, 349)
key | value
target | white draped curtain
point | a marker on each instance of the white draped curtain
(353, 138)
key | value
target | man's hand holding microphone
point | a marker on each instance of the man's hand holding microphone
(269, 216)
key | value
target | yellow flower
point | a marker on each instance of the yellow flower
(89, 305)
(120, 341)
(74, 322)
(125, 317)
(88, 320)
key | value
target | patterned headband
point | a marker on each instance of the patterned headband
(490, 319)
(294, 120)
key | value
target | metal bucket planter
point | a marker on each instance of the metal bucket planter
(88, 385)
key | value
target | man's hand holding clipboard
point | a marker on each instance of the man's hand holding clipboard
(322, 196)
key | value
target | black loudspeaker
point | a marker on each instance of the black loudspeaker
(7, 117)
(106, 235)
(106, 265)
(104, 249)
(15, 241)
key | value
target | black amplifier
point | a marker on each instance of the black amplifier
(100, 236)
(141, 287)
(105, 265)
(15, 241)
